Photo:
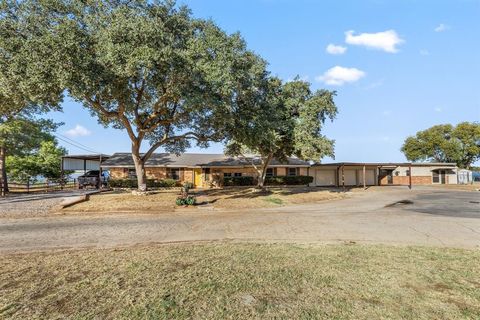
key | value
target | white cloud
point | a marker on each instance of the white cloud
(438, 109)
(334, 49)
(78, 131)
(386, 40)
(441, 27)
(424, 52)
(338, 76)
(387, 112)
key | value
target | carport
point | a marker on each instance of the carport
(83, 162)
(344, 174)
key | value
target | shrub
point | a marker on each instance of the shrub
(186, 201)
(238, 181)
(151, 183)
(288, 180)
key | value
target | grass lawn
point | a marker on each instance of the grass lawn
(230, 198)
(240, 280)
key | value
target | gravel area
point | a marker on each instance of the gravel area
(32, 205)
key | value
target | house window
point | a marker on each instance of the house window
(292, 171)
(227, 174)
(407, 173)
(207, 174)
(435, 177)
(271, 172)
(238, 174)
(132, 174)
(173, 173)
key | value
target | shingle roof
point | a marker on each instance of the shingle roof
(191, 160)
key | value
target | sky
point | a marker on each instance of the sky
(397, 66)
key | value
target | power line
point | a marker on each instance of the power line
(73, 141)
(76, 144)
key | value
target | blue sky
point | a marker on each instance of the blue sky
(406, 65)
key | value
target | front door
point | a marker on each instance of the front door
(198, 177)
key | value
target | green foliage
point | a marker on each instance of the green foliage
(288, 180)
(148, 68)
(44, 162)
(187, 186)
(445, 143)
(186, 200)
(151, 183)
(282, 120)
(28, 61)
(239, 181)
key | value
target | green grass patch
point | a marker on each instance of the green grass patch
(242, 281)
(274, 200)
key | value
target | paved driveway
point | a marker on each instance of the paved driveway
(424, 216)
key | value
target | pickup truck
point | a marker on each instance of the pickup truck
(90, 178)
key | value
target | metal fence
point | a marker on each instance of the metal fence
(15, 187)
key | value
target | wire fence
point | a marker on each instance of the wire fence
(48, 186)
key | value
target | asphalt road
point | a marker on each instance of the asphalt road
(425, 217)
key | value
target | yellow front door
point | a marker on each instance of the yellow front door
(198, 177)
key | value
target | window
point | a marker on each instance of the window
(435, 177)
(173, 173)
(271, 172)
(132, 174)
(407, 173)
(238, 174)
(207, 174)
(227, 174)
(292, 171)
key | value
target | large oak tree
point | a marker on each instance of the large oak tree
(152, 70)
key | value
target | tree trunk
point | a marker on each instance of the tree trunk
(139, 169)
(3, 174)
(262, 173)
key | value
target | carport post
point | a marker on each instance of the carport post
(364, 180)
(410, 176)
(62, 173)
(343, 177)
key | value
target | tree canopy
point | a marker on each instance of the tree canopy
(286, 121)
(445, 143)
(29, 83)
(150, 69)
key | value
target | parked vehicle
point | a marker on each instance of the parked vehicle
(91, 178)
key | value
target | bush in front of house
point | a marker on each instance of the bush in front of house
(238, 181)
(151, 183)
(288, 180)
(186, 200)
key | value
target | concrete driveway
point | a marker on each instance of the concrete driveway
(423, 216)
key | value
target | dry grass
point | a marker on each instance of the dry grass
(243, 281)
(230, 198)
(237, 198)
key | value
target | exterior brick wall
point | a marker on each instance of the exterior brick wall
(117, 173)
(187, 174)
(156, 173)
(416, 180)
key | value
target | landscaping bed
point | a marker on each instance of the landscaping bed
(242, 281)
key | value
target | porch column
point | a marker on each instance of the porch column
(410, 176)
(343, 177)
(364, 179)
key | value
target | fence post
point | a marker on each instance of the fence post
(28, 185)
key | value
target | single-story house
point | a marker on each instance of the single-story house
(371, 174)
(203, 170)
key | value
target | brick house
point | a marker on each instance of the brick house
(203, 170)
